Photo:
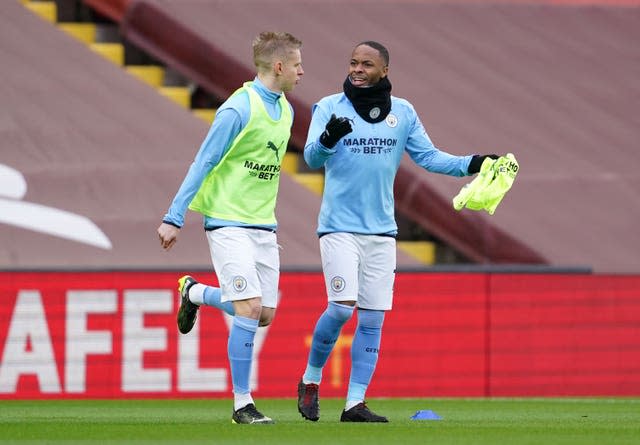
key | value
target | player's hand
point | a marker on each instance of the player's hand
(476, 162)
(168, 235)
(336, 129)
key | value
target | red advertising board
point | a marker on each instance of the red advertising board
(113, 335)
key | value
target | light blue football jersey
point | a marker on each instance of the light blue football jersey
(361, 168)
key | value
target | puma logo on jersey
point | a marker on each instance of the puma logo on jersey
(272, 146)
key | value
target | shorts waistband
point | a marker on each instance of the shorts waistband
(264, 229)
(388, 235)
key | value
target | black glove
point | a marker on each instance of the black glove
(476, 162)
(336, 128)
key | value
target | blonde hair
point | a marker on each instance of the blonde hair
(273, 45)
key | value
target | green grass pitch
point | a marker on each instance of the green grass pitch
(499, 421)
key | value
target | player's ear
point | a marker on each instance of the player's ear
(277, 67)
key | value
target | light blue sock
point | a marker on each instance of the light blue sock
(240, 350)
(364, 352)
(212, 297)
(325, 335)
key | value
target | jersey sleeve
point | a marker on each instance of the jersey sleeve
(225, 128)
(424, 153)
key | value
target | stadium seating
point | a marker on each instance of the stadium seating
(179, 95)
(152, 75)
(206, 114)
(505, 108)
(46, 9)
(114, 52)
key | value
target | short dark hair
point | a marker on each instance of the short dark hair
(384, 52)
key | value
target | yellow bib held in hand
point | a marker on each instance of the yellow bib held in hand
(494, 180)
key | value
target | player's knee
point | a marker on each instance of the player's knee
(370, 319)
(266, 316)
(339, 310)
(250, 308)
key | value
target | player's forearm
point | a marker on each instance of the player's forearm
(315, 154)
(448, 164)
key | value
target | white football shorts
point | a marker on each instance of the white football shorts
(247, 263)
(359, 268)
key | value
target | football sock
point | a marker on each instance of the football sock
(196, 293)
(351, 403)
(325, 334)
(364, 353)
(240, 351)
(211, 297)
(241, 400)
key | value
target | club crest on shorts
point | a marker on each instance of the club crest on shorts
(337, 284)
(239, 283)
(391, 120)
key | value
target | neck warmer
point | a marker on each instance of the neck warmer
(373, 103)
